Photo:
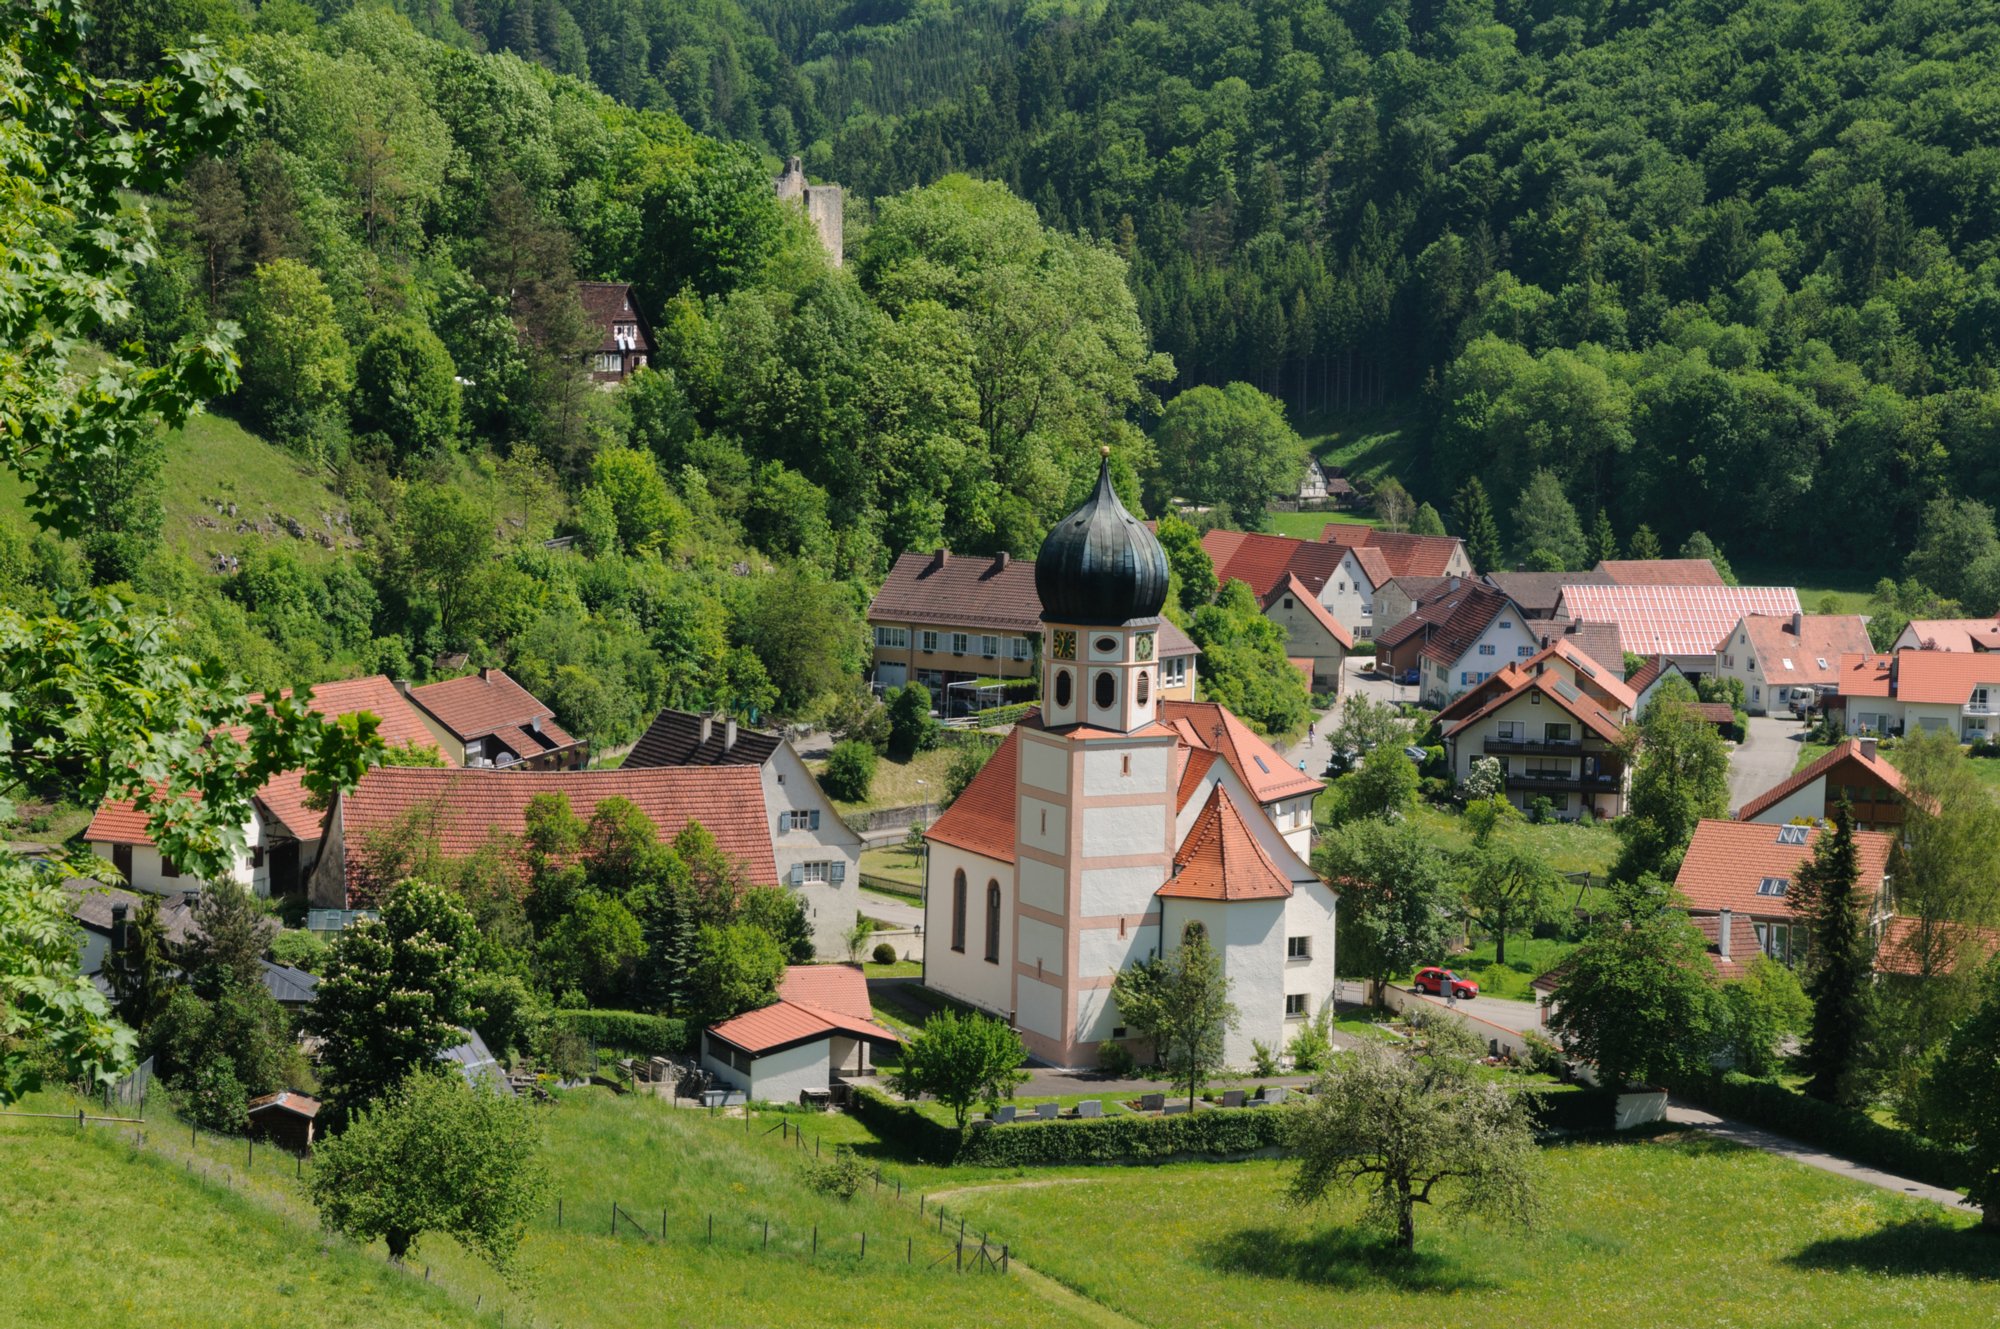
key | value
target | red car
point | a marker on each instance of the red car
(1433, 980)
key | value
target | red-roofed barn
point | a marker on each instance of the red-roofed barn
(820, 1028)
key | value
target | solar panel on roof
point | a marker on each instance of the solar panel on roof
(1568, 692)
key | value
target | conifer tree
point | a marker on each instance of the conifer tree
(1472, 515)
(1644, 543)
(1839, 959)
(1604, 540)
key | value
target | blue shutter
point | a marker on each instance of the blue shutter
(798, 874)
(838, 873)
(812, 822)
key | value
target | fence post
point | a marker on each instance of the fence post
(614, 1218)
(815, 1241)
(249, 1155)
(299, 1166)
(815, 1146)
(960, 1267)
(558, 1211)
(711, 1229)
(899, 1190)
(961, 1231)
(909, 1250)
(663, 1223)
(920, 1203)
(767, 1234)
(79, 1118)
(864, 1245)
(1003, 1257)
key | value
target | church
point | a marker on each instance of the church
(1112, 820)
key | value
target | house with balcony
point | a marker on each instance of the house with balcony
(1778, 658)
(1553, 728)
(1963, 635)
(969, 628)
(1853, 772)
(1901, 693)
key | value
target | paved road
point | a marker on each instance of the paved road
(892, 910)
(1682, 1114)
(1764, 758)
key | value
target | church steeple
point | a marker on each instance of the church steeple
(1102, 577)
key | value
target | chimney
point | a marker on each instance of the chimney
(1728, 921)
(939, 559)
(1001, 559)
(1798, 625)
(403, 686)
(121, 931)
(1868, 748)
(707, 729)
(485, 674)
(729, 734)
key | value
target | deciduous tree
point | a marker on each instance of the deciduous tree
(960, 1060)
(1180, 1003)
(1229, 448)
(1640, 1001)
(1397, 900)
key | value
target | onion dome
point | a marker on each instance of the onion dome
(1100, 566)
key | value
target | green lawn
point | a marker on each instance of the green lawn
(1309, 525)
(1527, 959)
(1370, 445)
(901, 784)
(98, 1233)
(894, 863)
(1566, 846)
(1816, 584)
(1667, 1233)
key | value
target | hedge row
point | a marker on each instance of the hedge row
(1574, 1108)
(630, 1031)
(1837, 1130)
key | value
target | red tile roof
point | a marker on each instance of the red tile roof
(467, 808)
(1593, 675)
(284, 795)
(288, 1100)
(1267, 775)
(1221, 860)
(1727, 860)
(1845, 753)
(981, 818)
(1261, 561)
(1715, 712)
(814, 1001)
(1810, 655)
(1743, 944)
(1427, 612)
(1865, 675)
(1474, 698)
(1648, 672)
(1660, 572)
(1940, 677)
(1407, 555)
(1309, 601)
(1597, 642)
(949, 590)
(1953, 634)
(1199, 760)
(1460, 631)
(487, 703)
(1675, 619)
(1586, 711)
(1900, 949)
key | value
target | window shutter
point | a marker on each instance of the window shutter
(798, 874)
(812, 820)
(784, 822)
(838, 872)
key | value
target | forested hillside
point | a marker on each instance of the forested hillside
(1721, 267)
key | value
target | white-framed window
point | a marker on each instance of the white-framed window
(1023, 648)
(929, 640)
(798, 821)
(1295, 1006)
(1173, 673)
(1506, 626)
(1774, 886)
(1510, 729)
(814, 874)
(989, 647)
(1488, 648)
(1523, 652)
(892, 638)
(960, 643)
(1298, 948)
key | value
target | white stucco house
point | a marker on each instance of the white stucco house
(1884, 695)
(1781, 656)
(1111, 821)
(819, 1028)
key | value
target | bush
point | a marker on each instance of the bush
(912, 727)
(1541, 810)
(1542, 1055)
(633, 1031)
(850, 770)
(1263, 1059)
(1838, 1130)
(842, 1175)
(1311, 1048)
(1116, 1060)
(884, 953)
(300, 950)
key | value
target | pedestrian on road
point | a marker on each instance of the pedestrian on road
(1451, 990)
(1310, 728)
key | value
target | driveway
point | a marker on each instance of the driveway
(1764, 758)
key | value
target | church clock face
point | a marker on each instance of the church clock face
(1063, 644)
(1145, 645)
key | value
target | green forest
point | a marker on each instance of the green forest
(1728, 271)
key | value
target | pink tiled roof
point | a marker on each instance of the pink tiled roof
(1660, 572)
(1954, 634)
(487, 703)
(814, 1000)
(1810, 655)
(1675, 620)
(467, 808)
(1727, 860)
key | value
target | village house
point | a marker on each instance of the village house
(105, 915)
(810, 844)
(282, 837)
(1890, 695)
(1853, 771)
(1398, 598)
(458, 812)
(820, 1029)
(960, 624)
(1109, 823)
(1646, 681)
(1312, 633)
(1778, 658)
(1459, 638)
(1540, 593)
(1746, 869)
(1553, 723)
(623, 342)
(1682, 622)
(1963, 635)
(1312, 484)
(1342, 580)
(487, 719)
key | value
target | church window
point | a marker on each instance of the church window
(1107, 689)
(1145, 688)
(993, 922)
(958, 910)
(1063, 688)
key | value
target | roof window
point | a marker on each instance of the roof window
(1792, 834)
(1773, 886)
(1260, 763)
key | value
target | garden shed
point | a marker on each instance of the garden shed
(820, 1027)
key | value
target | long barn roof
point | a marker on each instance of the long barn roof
(1675, 620)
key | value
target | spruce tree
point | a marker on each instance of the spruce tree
(141, 974)
(1644, 543)
(1604, 540)
(1839, 960)
(1472, 514)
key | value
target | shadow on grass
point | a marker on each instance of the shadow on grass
(1340, 1258)
(1916, 1247)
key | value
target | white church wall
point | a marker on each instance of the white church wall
(1109, 891)
(1045, 765)
(1040, 1011)
(1042, 944)
(1044, 825)
(1041, 885)
(1125, 770)
(967, 974)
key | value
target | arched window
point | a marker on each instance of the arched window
(958, 910)
(993, 922)
(1062, 687)
(1107, 689)
(1145, 687)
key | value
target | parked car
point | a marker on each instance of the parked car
(1434, 979)
(1416, 755)
(1410, 678)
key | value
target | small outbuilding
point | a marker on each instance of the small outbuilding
(820, 1027)
(285, 1118)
